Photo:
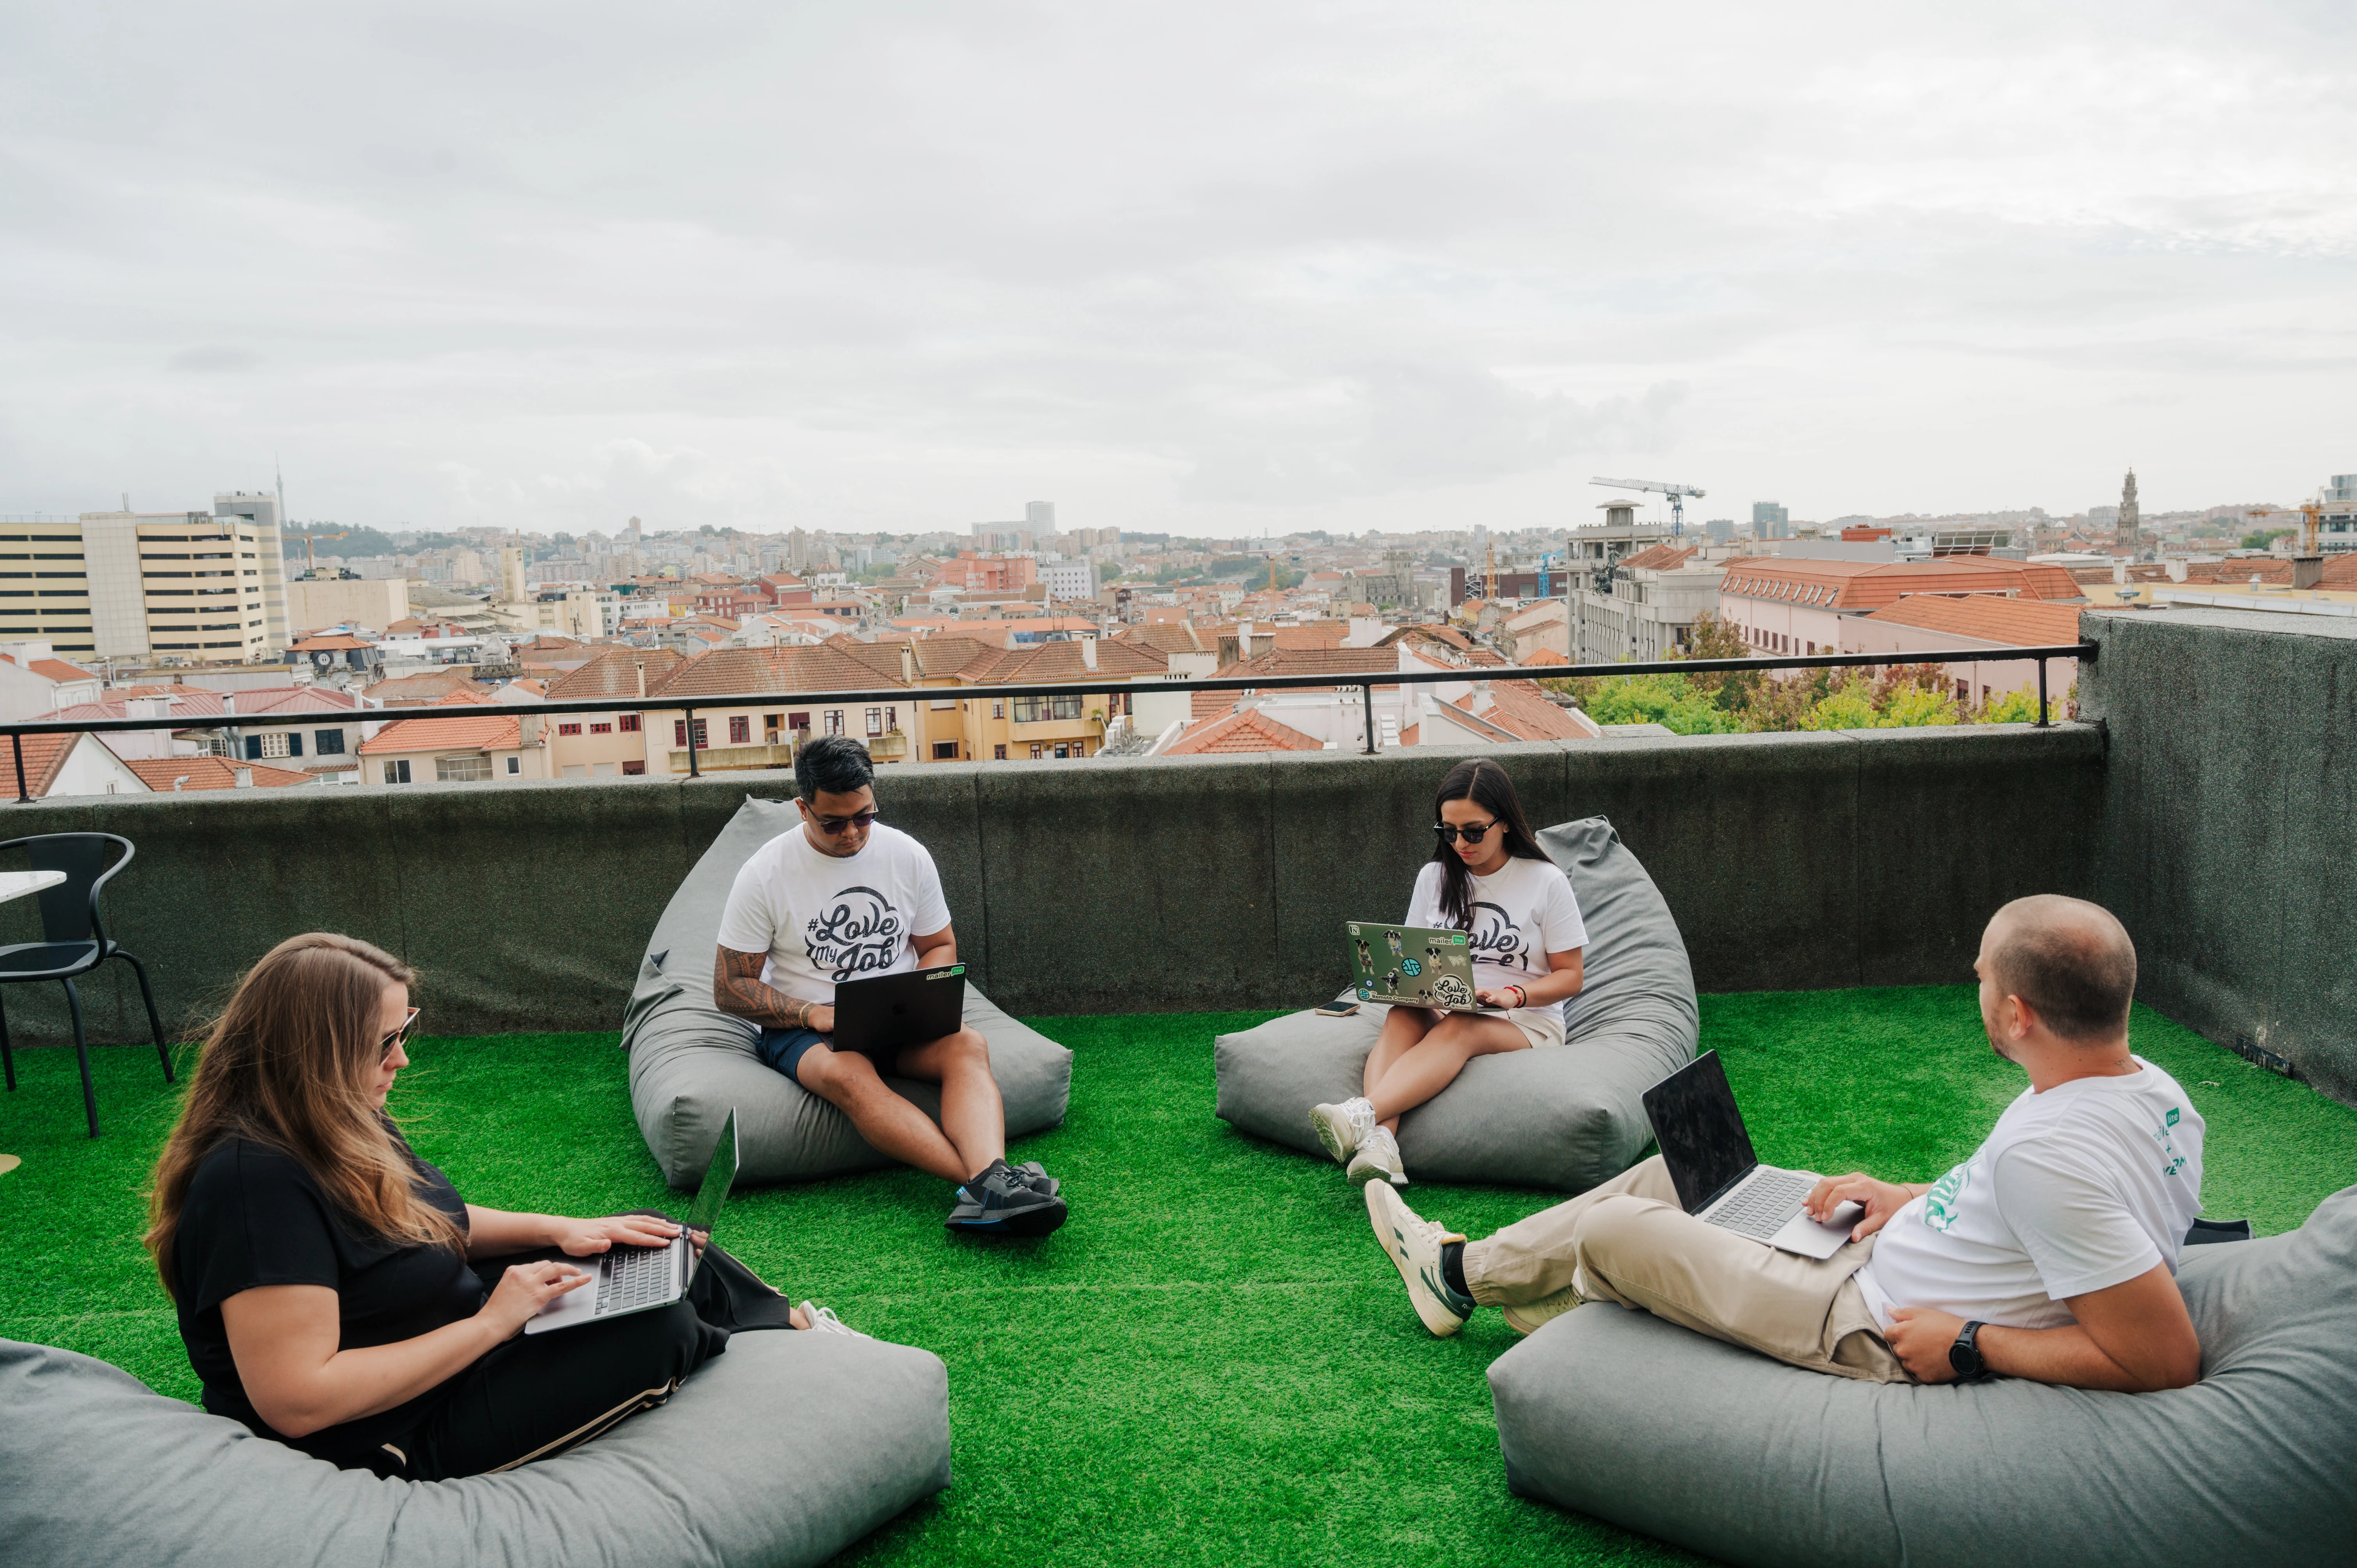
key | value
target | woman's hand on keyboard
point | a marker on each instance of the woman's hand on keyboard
(523, 1290)
(587, 1238)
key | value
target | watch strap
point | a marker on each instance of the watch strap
(1964, 1355)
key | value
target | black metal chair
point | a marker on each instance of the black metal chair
(74, 942)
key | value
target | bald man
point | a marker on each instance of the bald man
(2050, 1255)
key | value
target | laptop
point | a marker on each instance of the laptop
(640, 1279)
(882, 1013)
(1720, 1181)
(1412, 966)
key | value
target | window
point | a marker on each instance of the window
(1063, 751)
(1031, 710)
(740, 729)
(327, 742)
(834, 721)
(469, 769)
(633, 769)
(679, 733)
(1034, 751)
(267, 745)
(515, 766)
(874, 721)
(629, 722)
(568, 729)
(998, 753)
(998, 709)
(770, 724)
(397, 772)
(891, 719)
(601, 729)
(945, 751)
(798, 721)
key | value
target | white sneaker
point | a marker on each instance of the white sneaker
(1414, 1247)
(1342, 1128)
(1378, 1159)
(823, 1320)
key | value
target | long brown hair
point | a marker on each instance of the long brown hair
(288, 1065)
(1484, 783)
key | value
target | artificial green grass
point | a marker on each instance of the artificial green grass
(1211, 1362)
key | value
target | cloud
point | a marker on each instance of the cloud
(907, 265)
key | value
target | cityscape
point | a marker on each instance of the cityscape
(324, 634)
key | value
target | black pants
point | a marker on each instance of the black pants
(540, 1394)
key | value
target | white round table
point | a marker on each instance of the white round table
(19, 885)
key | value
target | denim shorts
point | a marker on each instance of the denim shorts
(783, 1049)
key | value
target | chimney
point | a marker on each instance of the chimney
(909, 662)
(2306, 571)
(1089, 653)
(246, 778)
(229, 703)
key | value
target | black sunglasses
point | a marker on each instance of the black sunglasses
(831, 826)
(399, 1036)
(1472, 836)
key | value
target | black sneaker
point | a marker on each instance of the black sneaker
(1001, 1202)
(1035, 1176)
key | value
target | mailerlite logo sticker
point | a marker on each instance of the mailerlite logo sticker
(859, 933)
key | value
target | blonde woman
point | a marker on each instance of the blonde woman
(332, 1287)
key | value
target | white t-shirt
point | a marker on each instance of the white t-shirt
(1519, 914)
(2077, 1189)
(823, 918)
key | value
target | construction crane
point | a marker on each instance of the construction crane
(1677, 494)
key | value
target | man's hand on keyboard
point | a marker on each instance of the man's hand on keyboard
(1881, 1199)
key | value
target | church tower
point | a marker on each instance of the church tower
(2131, 525)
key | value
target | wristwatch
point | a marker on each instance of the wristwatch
(1964, 1355)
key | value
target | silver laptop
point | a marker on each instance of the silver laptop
(1719, 1180)
(1412, 966)
(640, 1279)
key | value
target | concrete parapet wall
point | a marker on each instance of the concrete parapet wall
(1850, 858)
(2231, 823)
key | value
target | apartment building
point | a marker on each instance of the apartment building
(1788, 604)
(610, 744)
(1978, 621)
(453, 747)
(1648, 610)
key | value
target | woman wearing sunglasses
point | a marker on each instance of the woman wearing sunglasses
(334, 1291)
(1487, 877)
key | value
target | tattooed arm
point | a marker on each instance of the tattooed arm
(736, 988)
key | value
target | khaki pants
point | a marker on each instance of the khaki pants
(1629, 1242)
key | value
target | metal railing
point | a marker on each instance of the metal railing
(1367, 681)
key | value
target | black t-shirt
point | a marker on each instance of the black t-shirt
(255, 1216)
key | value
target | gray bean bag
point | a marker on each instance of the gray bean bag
(784, 1450)
(1634, 1419)
(1564, 1118)
(690, 1062)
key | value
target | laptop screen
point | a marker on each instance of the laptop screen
(719, 1177)
(1700, 1130)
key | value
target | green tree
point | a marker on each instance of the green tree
(1670, 701)
(2008, 708)
(2263, 539)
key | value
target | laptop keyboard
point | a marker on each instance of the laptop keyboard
(635, 1278)
(1759, 1209)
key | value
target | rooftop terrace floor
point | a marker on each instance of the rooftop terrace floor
(1211, 1362)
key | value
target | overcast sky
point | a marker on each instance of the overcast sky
(1211, 267)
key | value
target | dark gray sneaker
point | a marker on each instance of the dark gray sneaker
(1001, 1202)
(1035, 1176)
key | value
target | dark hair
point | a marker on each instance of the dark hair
(1484, 783)
(834, 763)
(2072, 961)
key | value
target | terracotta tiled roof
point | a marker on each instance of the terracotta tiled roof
(1251, 730)
(729, 670)
(1987, 618)
(614, 672)
(210, 773)
(1447, 636)
(1519, 709)
(1169, 637)
(411, 690)
(1314, 634)
(269, 701)
(45, 758)
(1659, 558)
(462, 732)
(1870, 585)
(1041, 663)
(1543, 656)
(1282, 660)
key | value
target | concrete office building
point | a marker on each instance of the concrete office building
(1040, 517)
(2336, 528)
(202, 587)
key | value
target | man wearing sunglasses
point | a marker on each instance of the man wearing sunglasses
(842, 898)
